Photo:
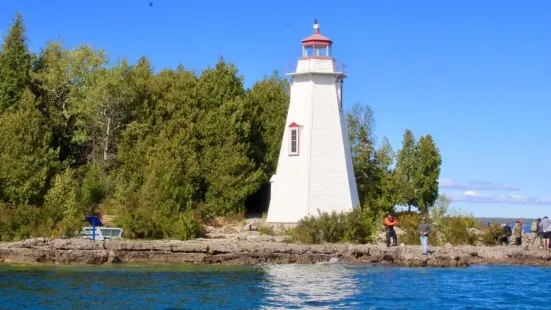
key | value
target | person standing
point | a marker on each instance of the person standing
(538, 233)
(424, 231)
(517, 232)
(546, 230)
(390, 222)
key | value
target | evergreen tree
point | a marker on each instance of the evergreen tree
(406, 171)
(428, 172)
(224, 131)
(28, 162)
(15, 61)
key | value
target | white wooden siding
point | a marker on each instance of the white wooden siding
(321, 176)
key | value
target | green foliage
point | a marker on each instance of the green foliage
(15, 61)
(428, 172)
(28, 161)
(17, 223)
(79, 135)
(417, 172)
(375, 177)
(409, 223)
(354, 227)
(94, 188)
(267, 103)
(491, 235)
(406, 171)
(63, 208)
(187, 226)
(448, 225)
(266, 230)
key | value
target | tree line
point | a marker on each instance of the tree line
(162, 151)
(388, 179)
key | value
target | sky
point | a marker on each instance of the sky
(476, 75)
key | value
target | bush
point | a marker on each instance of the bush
(448, 225)
(453, 225)
(21, 222)
(409, 222)
(187, 226)
(63, 209)
(491, 235)
(355, 227)
(266, 230)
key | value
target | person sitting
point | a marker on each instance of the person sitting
(505, 234)
(390, 222)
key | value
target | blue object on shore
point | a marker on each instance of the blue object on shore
(94, 221)
(526, 228)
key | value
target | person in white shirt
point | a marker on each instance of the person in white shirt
(546, 229)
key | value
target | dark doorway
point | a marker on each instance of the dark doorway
(258, 203)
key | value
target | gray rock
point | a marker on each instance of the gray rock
(258, 249)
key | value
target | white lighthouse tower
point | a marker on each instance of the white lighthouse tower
(314, 170)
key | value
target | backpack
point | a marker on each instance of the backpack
(534, 226)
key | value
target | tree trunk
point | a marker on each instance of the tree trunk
(106, 139)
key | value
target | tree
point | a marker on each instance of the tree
(61, 80)
(388, 194)
(428, 172)
(63, 207)
(223, 129)
(15, 61)
(28, 162)
(360, 123)
(406, 171)
(107, 109)
(267, 104)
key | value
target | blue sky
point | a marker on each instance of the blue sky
(474, 74)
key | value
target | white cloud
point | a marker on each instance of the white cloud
(471, 196)
(448, 183)
(476, 185)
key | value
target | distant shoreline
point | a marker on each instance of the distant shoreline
(222, 252)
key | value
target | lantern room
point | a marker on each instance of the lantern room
(316, 45)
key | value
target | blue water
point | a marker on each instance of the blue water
(330, 286)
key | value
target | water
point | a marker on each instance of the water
(330, 286)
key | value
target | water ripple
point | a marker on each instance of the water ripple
(328, 286)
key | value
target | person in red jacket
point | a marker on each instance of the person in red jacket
(390, 222)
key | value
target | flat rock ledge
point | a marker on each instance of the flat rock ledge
(226, 252)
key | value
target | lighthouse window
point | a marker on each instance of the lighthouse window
(293, 141)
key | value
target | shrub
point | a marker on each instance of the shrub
(355, 227)
(448, 225)
(409, 222)
(491, 235)
(63, 207)
(187, 226)
(21, 222)
(266, 230)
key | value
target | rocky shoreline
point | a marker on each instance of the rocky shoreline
(248, 252)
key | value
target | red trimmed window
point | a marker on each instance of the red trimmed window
(294, 139)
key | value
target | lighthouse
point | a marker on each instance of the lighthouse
(314, 170)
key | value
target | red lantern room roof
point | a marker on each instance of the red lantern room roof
(316, 39)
